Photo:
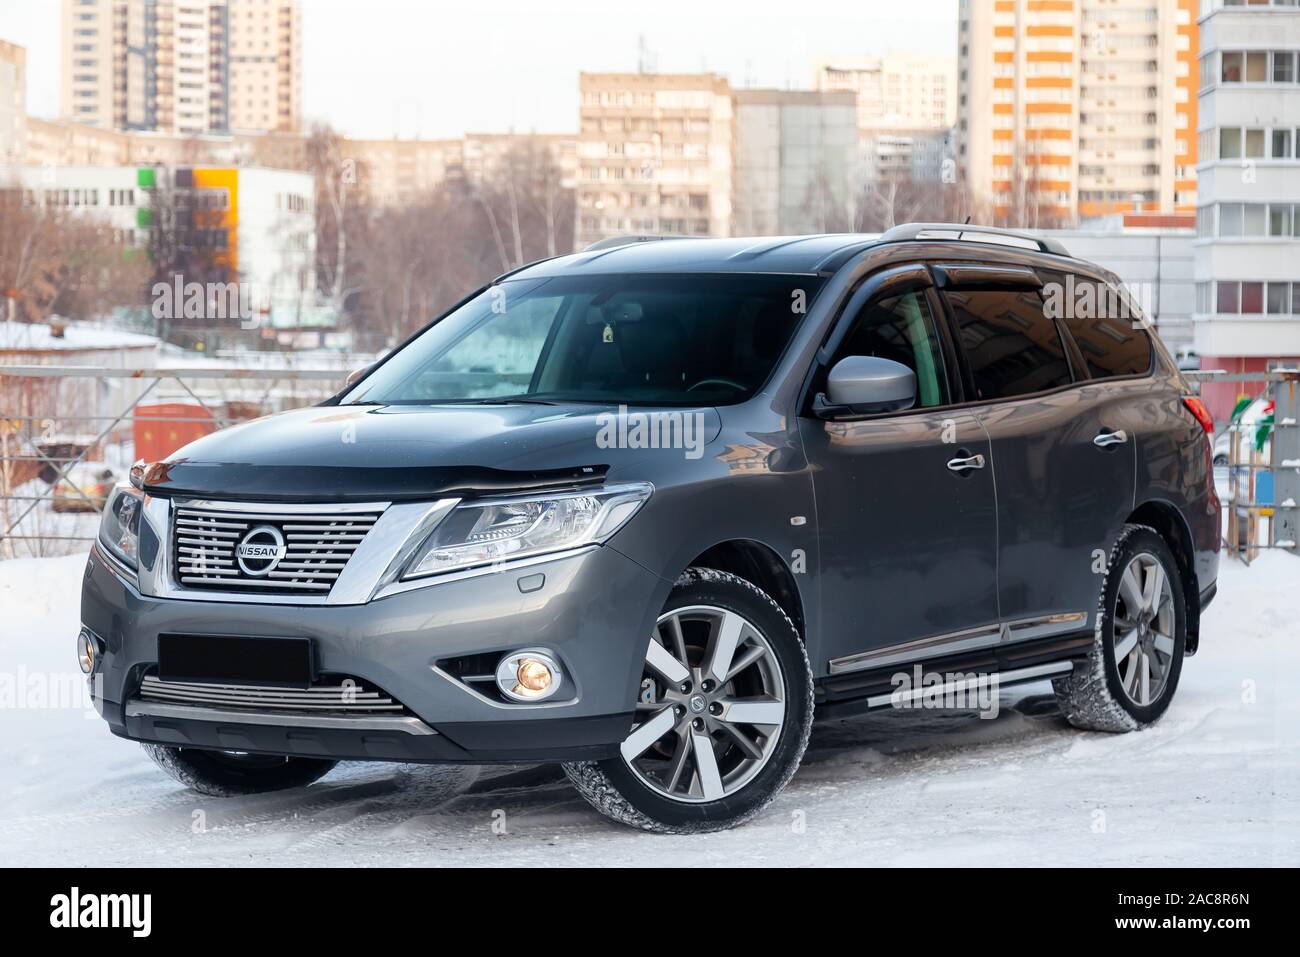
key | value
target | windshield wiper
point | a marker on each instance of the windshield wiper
(499, 400)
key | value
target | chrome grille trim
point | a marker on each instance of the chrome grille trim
(319, 540)
(355, 699)
(405, 724)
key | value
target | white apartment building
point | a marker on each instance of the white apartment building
(1154, 263)
(655, 154)
(1077, 108)
(1247, 250)
(13, 103)
(924, 156)
(795, 154)
(182, 66)
(260, 223)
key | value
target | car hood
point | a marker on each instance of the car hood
(384, 453)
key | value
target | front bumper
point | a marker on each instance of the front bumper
(595, 612)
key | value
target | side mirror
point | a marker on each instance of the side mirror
(355, 375)
(867, 384)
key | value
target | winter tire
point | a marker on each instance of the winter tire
(233, 773)
(723, 713)
(1141, 631)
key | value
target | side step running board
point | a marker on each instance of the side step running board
(971, 683)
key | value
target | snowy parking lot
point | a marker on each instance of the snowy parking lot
(1216, 782)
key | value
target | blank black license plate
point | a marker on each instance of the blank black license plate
(231, 660)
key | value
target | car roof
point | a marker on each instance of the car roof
(769, 254)
(824, 253)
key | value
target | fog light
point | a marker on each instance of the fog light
(533, 675)
(528, 675)
(87, 652)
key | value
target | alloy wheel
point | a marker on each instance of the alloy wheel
(710, 707)
(1145, 625)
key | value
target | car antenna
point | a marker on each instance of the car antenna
(967, 223)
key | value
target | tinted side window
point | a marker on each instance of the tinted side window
(1105, 327)
(901, 328)
(1012, 347)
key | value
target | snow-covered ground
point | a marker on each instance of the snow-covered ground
(1217, 781)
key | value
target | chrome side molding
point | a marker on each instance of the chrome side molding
(968, 639)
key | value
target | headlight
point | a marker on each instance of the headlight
(119, 528)
(481, 533)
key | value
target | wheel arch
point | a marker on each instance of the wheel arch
(1170, 524)
(762, 566)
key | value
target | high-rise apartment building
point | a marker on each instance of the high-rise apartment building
(182, 66)
(895, 92)
(655, 154)
(1071, 109)
(1247, 250)
(13, 103)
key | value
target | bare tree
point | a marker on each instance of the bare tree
(410, 263)
(52, 260)
(339, 214)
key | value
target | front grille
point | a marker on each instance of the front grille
(317, 545)
(348, 695)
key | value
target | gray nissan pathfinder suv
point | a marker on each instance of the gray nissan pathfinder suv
(648, 508)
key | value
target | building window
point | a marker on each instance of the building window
(1254, 144)
(1229, 143)
(1230, 219)
(1281, 144)
(1228, 298)
(1252, 298)
(1279, 220)
(1283, 67)
(1230, 71)
(1279, 298)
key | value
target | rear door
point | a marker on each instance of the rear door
(1062, 449)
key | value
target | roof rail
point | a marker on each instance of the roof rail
(613, 241)
(970, 233)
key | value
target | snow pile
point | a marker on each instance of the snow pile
(1216, 782)
(40, 336)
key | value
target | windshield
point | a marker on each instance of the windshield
(619, 339)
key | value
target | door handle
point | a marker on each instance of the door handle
(1106, 439)
(966, 464)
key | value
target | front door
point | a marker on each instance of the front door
(905, 504)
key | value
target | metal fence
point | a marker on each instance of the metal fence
(68, 432)
(1259, 465)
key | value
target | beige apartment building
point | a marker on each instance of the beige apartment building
(388, 172)
(655, 154)
(895, 92)
(1072, 109)
(907, 105)
(13, 103)
(395, 171)
(182, 66)
(63, 143)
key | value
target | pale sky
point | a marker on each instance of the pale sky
(437, 69)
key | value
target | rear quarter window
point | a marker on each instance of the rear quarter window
(1104, 323)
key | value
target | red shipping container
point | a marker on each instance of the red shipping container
(163, 428)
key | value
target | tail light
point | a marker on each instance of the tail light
(1200, 412)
